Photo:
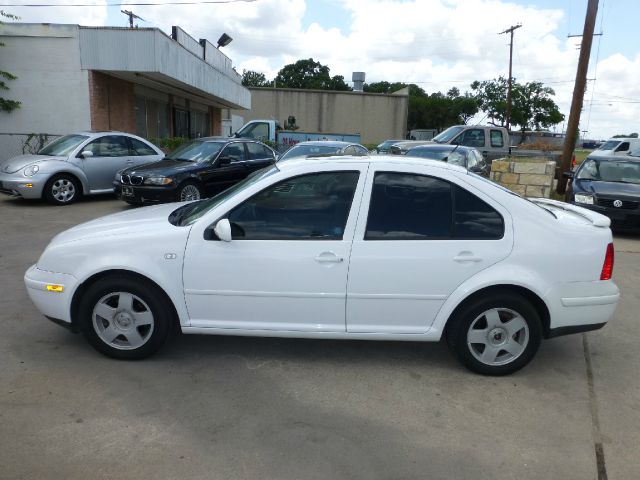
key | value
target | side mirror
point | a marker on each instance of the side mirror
(224, 160)
(568, 174)
(223, 230)
(86, 154)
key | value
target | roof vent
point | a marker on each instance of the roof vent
(358, 81)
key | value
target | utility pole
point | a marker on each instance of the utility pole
(510, 31)
(578, 94)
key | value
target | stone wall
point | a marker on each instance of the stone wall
(528, 178)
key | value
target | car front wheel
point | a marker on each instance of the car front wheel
(61, 190)
(125, 318)
(189, 192)
(495, 335)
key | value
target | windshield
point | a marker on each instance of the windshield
(196, 151)
(189, 213)
(309, 151)
(63, 146)
(609, 145)
(610, 171)
(447, 135)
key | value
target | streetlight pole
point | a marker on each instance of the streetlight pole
(510, 31)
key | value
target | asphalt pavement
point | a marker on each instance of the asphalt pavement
(211, 407)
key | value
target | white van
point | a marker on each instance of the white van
(617, 146)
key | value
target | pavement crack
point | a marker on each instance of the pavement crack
(593, 408)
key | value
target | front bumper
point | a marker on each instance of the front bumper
(17, 185)
(51, 303)
(143, 194)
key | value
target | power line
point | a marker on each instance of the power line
(122, 4)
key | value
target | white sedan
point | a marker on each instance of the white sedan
(388, 248)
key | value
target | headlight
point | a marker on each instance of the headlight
(582, 198)
(158, 181)
(31, 170)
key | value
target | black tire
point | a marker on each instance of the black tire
(477, 319)
(62, 189)
(189, 191)
(107, 293)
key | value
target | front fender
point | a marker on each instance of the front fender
(499, 274)
(52, 167)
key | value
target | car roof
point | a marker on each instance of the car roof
(440, 147)
(389, 159)
(325, 143)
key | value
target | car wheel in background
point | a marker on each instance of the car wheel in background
(125, 318)
(61, 189)
(495, 335)
(189, 191)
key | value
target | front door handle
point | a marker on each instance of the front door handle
(466, 257)
(328, 257)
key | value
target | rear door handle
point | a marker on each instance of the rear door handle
(466, 257)
(328, 257)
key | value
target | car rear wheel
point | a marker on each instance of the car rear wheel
(189, 192)
(495, 335)
(125, 318)
(61, 189)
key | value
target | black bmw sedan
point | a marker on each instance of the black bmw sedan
(611, 186)
(197, 169)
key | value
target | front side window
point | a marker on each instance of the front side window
(234, 152)
(309, 207)
(258, 131)
(473, 137)
(496, 139)
(109, 146)
(623, 147)
(408, 206)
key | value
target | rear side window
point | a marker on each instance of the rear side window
(139, 148)
(257, 151)
(419, 207)
(496, 139)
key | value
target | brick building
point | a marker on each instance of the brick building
(139, 80)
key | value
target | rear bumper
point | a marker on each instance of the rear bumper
(582, 306)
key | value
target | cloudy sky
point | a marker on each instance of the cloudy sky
(436, 44)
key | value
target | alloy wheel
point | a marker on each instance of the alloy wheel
(123, 320)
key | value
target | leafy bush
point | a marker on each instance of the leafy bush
(168, 145)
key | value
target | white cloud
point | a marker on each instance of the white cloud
(437, 44)
(63, 14)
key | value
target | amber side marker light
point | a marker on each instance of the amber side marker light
(607, 266)
(55, 288)
(28, 185)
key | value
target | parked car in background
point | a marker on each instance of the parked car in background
(385, 147)
(382, 248)
(610, 186)
(401, 148)
(466, 157)
(323, 148)
(492, 142)
(82, 163)
(617, 146)
(196, 169)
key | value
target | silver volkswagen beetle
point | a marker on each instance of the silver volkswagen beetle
(82, 163)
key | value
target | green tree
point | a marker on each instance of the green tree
(532, 104)
(7, 105)
(309, 74)
(251, 78)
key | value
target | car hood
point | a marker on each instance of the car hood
(130, 222)
(610, 188)
(164, 167)
(14, 164)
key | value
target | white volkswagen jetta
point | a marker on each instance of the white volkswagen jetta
(343, 248)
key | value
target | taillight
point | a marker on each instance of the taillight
(607, 266)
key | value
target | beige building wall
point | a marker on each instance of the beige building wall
(376, 117)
